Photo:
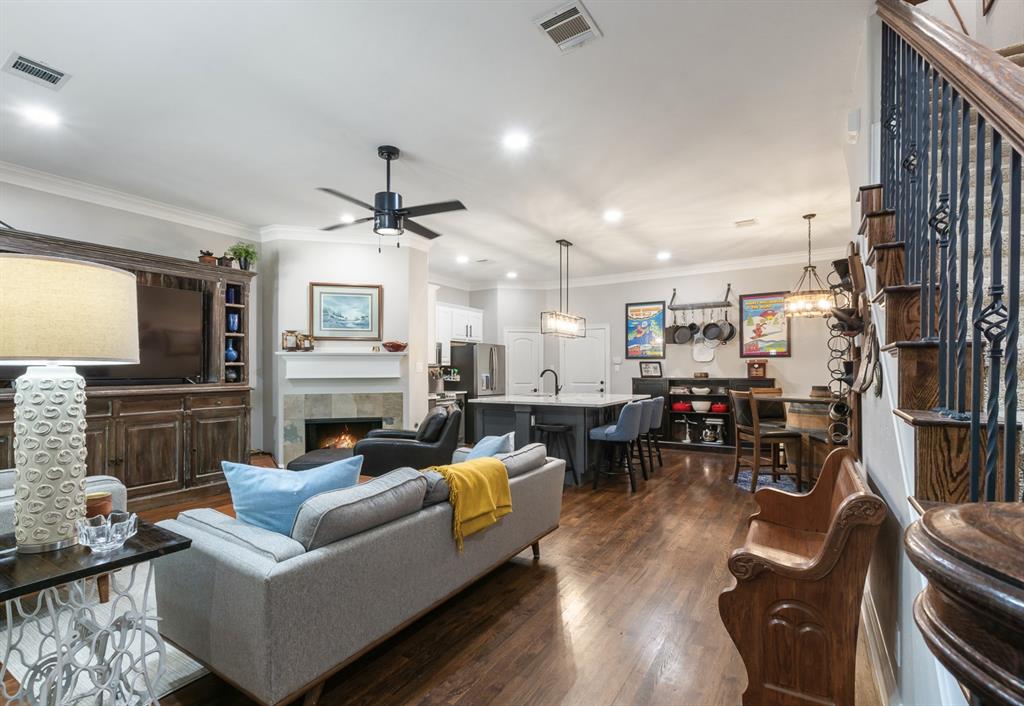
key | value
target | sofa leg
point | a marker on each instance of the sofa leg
(312, 697)
(536, 550)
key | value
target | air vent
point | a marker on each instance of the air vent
(745, 222)
(569, 27)
(36, 72)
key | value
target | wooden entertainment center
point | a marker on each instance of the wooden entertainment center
(164, 441)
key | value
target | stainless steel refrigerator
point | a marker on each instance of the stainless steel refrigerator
(481, 372)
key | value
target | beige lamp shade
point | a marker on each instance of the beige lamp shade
(66, 311)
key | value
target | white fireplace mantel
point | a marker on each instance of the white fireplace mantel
(341, 365)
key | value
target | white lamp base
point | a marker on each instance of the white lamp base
(49, 455)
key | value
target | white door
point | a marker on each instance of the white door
(524, 359)
(583, 362)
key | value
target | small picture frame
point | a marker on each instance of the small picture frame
(650, 369)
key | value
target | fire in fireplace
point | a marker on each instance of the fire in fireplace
(338, 433)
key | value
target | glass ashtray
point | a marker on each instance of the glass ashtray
(107, 533)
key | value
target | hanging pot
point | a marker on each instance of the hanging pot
(712, 331)
(683, 334)
(728, 330)
(670, 331)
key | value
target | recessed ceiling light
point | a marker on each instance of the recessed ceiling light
(347, 218)
(462, 259)
(511, 275)
(515, 141)
(40, 116)
(612, 215)
(664, 255)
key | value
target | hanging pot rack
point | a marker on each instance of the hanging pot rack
(698, 306)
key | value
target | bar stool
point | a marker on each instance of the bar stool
(658, 407)
(555, 435)
(619, 440)
(646, 412)
(749, 427)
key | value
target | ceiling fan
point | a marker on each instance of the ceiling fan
(389, 217)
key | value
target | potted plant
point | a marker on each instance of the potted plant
(207, 257)
(245, 253)
(225, 260)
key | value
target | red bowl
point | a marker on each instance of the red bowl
(394, 346)
(682, 407)
(719, 407)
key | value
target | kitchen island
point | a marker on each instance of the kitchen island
(500, 414)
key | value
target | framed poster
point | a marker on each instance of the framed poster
(346, 312)
(764, 328)
(645, 330)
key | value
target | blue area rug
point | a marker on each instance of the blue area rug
(764, 480)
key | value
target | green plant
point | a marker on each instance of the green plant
(243, 251)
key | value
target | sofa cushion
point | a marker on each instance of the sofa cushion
(270, 498)
(270, 544)
(437, 488)
(337, 514)
(430, 428)
(492, 446)
(524, 460)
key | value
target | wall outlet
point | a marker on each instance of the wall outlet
(617, 360)
(421, 367)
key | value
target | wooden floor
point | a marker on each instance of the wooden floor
(620, 609)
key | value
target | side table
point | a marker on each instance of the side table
(81, 658)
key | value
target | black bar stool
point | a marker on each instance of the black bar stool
(555, 435)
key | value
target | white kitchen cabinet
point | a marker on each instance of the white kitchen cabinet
(458, 323)
(443, 332)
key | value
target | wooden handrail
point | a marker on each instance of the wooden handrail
(992, 84)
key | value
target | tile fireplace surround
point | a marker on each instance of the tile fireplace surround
(346, 405)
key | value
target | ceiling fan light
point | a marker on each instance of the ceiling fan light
(387, 224)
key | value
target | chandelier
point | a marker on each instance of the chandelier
(810, 297)
(561, 322)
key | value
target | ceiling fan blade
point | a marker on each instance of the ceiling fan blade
(334, 192)
(420, 230)
(428, 208)
(336, 226)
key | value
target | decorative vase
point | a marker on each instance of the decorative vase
(233, 323)
(231, 375)
(99, 503)
(225, 260)
(208, 259)
(231, 295)
(230, 354)
(243, 263)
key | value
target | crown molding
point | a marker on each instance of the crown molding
(18, 175)
(746, 263)
(277, 231)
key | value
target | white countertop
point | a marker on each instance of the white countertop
(579, 399)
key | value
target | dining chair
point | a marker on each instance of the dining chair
(748, 426)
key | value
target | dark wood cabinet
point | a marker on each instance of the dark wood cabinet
(150, 452)
(6, 445)
(219, 434)
(99, 444)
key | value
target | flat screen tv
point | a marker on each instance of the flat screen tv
(170, 342)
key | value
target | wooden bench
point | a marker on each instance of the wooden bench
(794, 610)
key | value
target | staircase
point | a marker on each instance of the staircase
(933, 229)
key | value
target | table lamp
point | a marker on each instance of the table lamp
(55, 314)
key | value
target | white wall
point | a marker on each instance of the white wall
(452, 295)
(1002, 27)
(65, 217)
(294, 257)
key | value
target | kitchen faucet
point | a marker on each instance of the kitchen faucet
(558, 388)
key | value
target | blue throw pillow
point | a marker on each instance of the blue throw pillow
(270, 498)
(491, 445)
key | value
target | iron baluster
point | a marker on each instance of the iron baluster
(963, 214)
(1013, 316)
(939, 223)
(910, 167)
(948, 286)
(978, 283)
(993, 319)
(934, 90)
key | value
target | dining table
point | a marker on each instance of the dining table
(808, 437)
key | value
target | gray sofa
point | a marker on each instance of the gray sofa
(93, 484)
(276, 615)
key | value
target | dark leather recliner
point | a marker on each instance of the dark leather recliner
(432, 444)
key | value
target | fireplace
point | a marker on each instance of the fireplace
(339, 433)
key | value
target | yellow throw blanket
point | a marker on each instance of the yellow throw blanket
(479, 494)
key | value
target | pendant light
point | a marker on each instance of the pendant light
(810, 297)
(561, 322)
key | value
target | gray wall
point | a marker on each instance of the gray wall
(50, 214)
(451, 295)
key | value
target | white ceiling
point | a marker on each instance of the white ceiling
(686, 116)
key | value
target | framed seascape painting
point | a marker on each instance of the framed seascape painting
(346, 312)
(764, 328)
(645, 330)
